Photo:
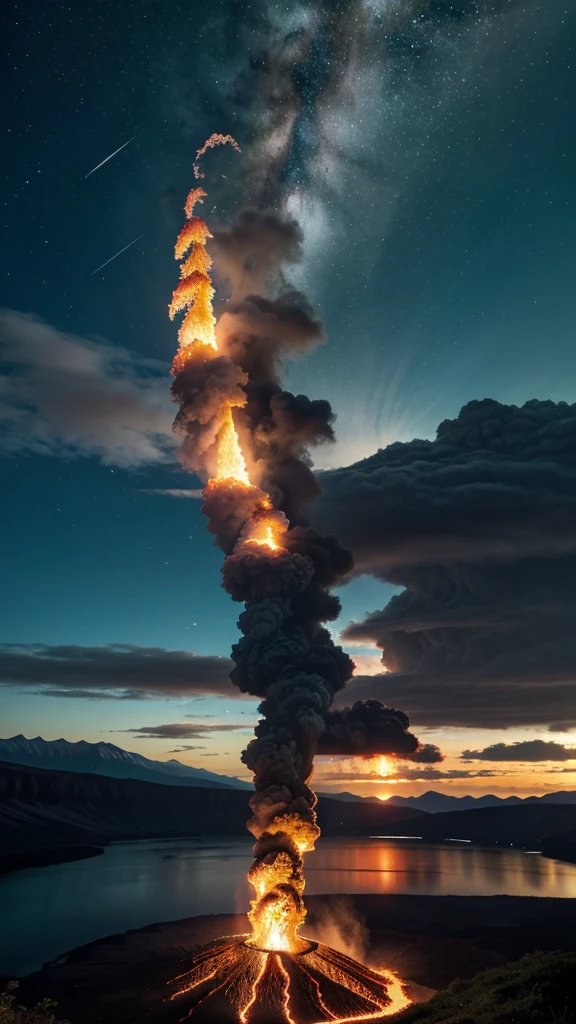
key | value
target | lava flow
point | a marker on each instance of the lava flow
(238, 425)
(231, 982)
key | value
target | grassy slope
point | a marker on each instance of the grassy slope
(538, 989)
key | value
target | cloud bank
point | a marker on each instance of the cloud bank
(479, 528)
(181, 731)
(525, 750)
(123, 671)
(66, 396)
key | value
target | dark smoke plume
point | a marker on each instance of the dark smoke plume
(479, 528)
(203, 389)
(285, 656)
(257, 333)
(252, 251)
(369, 728)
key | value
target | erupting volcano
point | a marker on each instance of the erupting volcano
(248, 439)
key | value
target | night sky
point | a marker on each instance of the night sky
(427, 150)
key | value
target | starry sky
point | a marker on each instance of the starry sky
(426, 149)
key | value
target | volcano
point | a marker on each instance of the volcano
(231, 981)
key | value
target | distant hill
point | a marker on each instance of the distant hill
(525, 825)
(41, 807)
(438, 803)
(108, 759)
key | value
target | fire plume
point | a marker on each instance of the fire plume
(215, 140)
(231, 464)
(274, 975)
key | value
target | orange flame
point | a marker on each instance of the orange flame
(215, 140)
(266, 532)
(230, 464)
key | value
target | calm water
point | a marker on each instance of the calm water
(46, 911)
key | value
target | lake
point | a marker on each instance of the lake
(46, 911)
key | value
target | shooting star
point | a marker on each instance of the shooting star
(117, 254)
(101, 164)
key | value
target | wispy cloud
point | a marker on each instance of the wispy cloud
(68, 396)
(524, 750)
(174, 492)
(118, 671)
(180, 730)
(184, 747)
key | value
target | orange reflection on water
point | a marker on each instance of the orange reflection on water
(381, 866)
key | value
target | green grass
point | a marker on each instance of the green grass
(538, 989)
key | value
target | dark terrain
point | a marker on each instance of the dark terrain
(430, 941)
(42, 809)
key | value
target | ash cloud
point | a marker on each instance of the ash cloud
(478, 527)
(251, 252)
(523, 750)
(66, 396)
(121, 671)
(280, 427)
(368, 728)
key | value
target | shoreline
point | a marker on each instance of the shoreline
(44, 857)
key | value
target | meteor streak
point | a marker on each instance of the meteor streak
(117, 254)
(106, 159)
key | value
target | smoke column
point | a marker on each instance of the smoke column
(249, 439)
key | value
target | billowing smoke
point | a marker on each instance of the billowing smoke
(205, 390)
(478, 527)
(369, 728)
(254, 438)
(252, 252)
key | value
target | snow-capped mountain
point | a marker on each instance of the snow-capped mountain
(108, 759)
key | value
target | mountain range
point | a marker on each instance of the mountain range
(114, 762)
(110, 760)
(42, 808)
(439, 803)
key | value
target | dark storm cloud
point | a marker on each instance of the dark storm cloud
(180, 731)
(368, 728)
(498, 483)
(117, 670)
(66, 396)
(470, 700)
(479, 527)
(525, 750)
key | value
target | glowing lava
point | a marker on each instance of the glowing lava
(232, 982)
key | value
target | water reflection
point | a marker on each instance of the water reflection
(347, 865)
(50, 910)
